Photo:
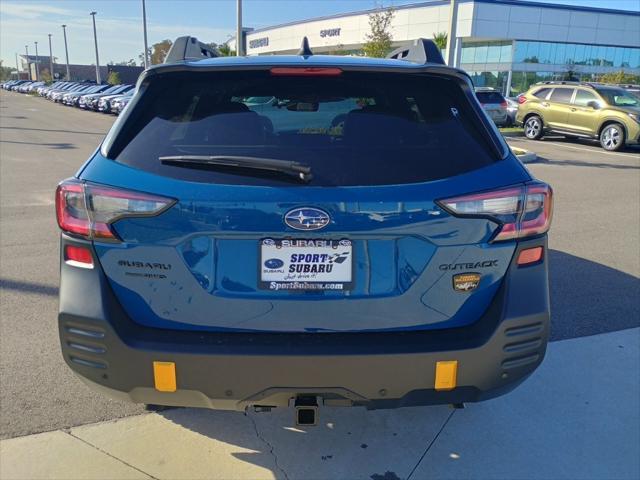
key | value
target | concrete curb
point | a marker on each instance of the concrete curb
(525, 156)
(512, 134)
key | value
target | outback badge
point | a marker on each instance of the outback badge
(465, 282)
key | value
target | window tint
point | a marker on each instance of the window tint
(561, 95)
(583, 98)
(353, 129)
(490, 97)
(618, 97)
(542, 93)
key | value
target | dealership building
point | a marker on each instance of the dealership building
(506, 44)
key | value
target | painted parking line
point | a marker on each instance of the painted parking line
(591, 150)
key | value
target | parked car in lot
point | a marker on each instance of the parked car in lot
(118, 104)
(369, 240)
(104, 103)
(494, 103)
(72, 99)
(57, 94)
(47, 92)
(28, 87)
(512, 110)
(581, 110)
(12, 83)
(90, 101)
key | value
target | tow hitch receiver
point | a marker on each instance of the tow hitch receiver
(306, 408)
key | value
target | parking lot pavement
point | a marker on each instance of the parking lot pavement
(593, 242)
(578, 416)
(594, 270)
(41, 143)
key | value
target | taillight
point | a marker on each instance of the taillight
(522, 99)
(88, 210)
(521, 211)
(306, 71)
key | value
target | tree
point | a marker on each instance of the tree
(159, 51)
(440, 39)
(570, 73)
(5, 72)
(619, 77)
(141, 56)
(225, 50)
(338, 50)
(379, 40)
(114, 78)
(45, 76)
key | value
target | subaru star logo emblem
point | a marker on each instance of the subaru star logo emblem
(306, 218)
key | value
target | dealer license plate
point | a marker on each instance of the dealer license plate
(304, 264)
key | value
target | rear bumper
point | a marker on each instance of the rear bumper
(232, 371)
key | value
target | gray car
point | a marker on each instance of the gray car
(494, 104)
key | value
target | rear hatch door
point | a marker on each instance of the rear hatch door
(363, 245)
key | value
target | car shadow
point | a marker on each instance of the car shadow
(52, 130)
(55, 146)
(28, 287)
(578, 163)
(590, 142)
(588, 298)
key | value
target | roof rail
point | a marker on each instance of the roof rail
(567, 82)
(189, 48)
(419, 51)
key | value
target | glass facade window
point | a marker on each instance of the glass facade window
(588, 55)
(497, 80)
(521, 81)
(486, 52)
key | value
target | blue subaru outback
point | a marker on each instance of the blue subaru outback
(303, 230)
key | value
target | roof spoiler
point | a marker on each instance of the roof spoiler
(189, 48)
(419, 51)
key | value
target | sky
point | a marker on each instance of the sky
(119, 22)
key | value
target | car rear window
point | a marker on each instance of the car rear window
(490, 97)
(356, 128)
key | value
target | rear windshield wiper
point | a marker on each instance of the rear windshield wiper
(294, 169)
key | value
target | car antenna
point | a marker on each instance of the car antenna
(305, 50)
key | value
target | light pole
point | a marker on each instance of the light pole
(452, 40)
(17, 68)
(95, 39)
(26, 47)
(66, 51)
(37, 64)
(50, 58)
(144, 29)
(239, 49)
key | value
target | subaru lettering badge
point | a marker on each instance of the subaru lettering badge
(307, 218)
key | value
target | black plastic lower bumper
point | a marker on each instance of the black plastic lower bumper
(235, 370)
